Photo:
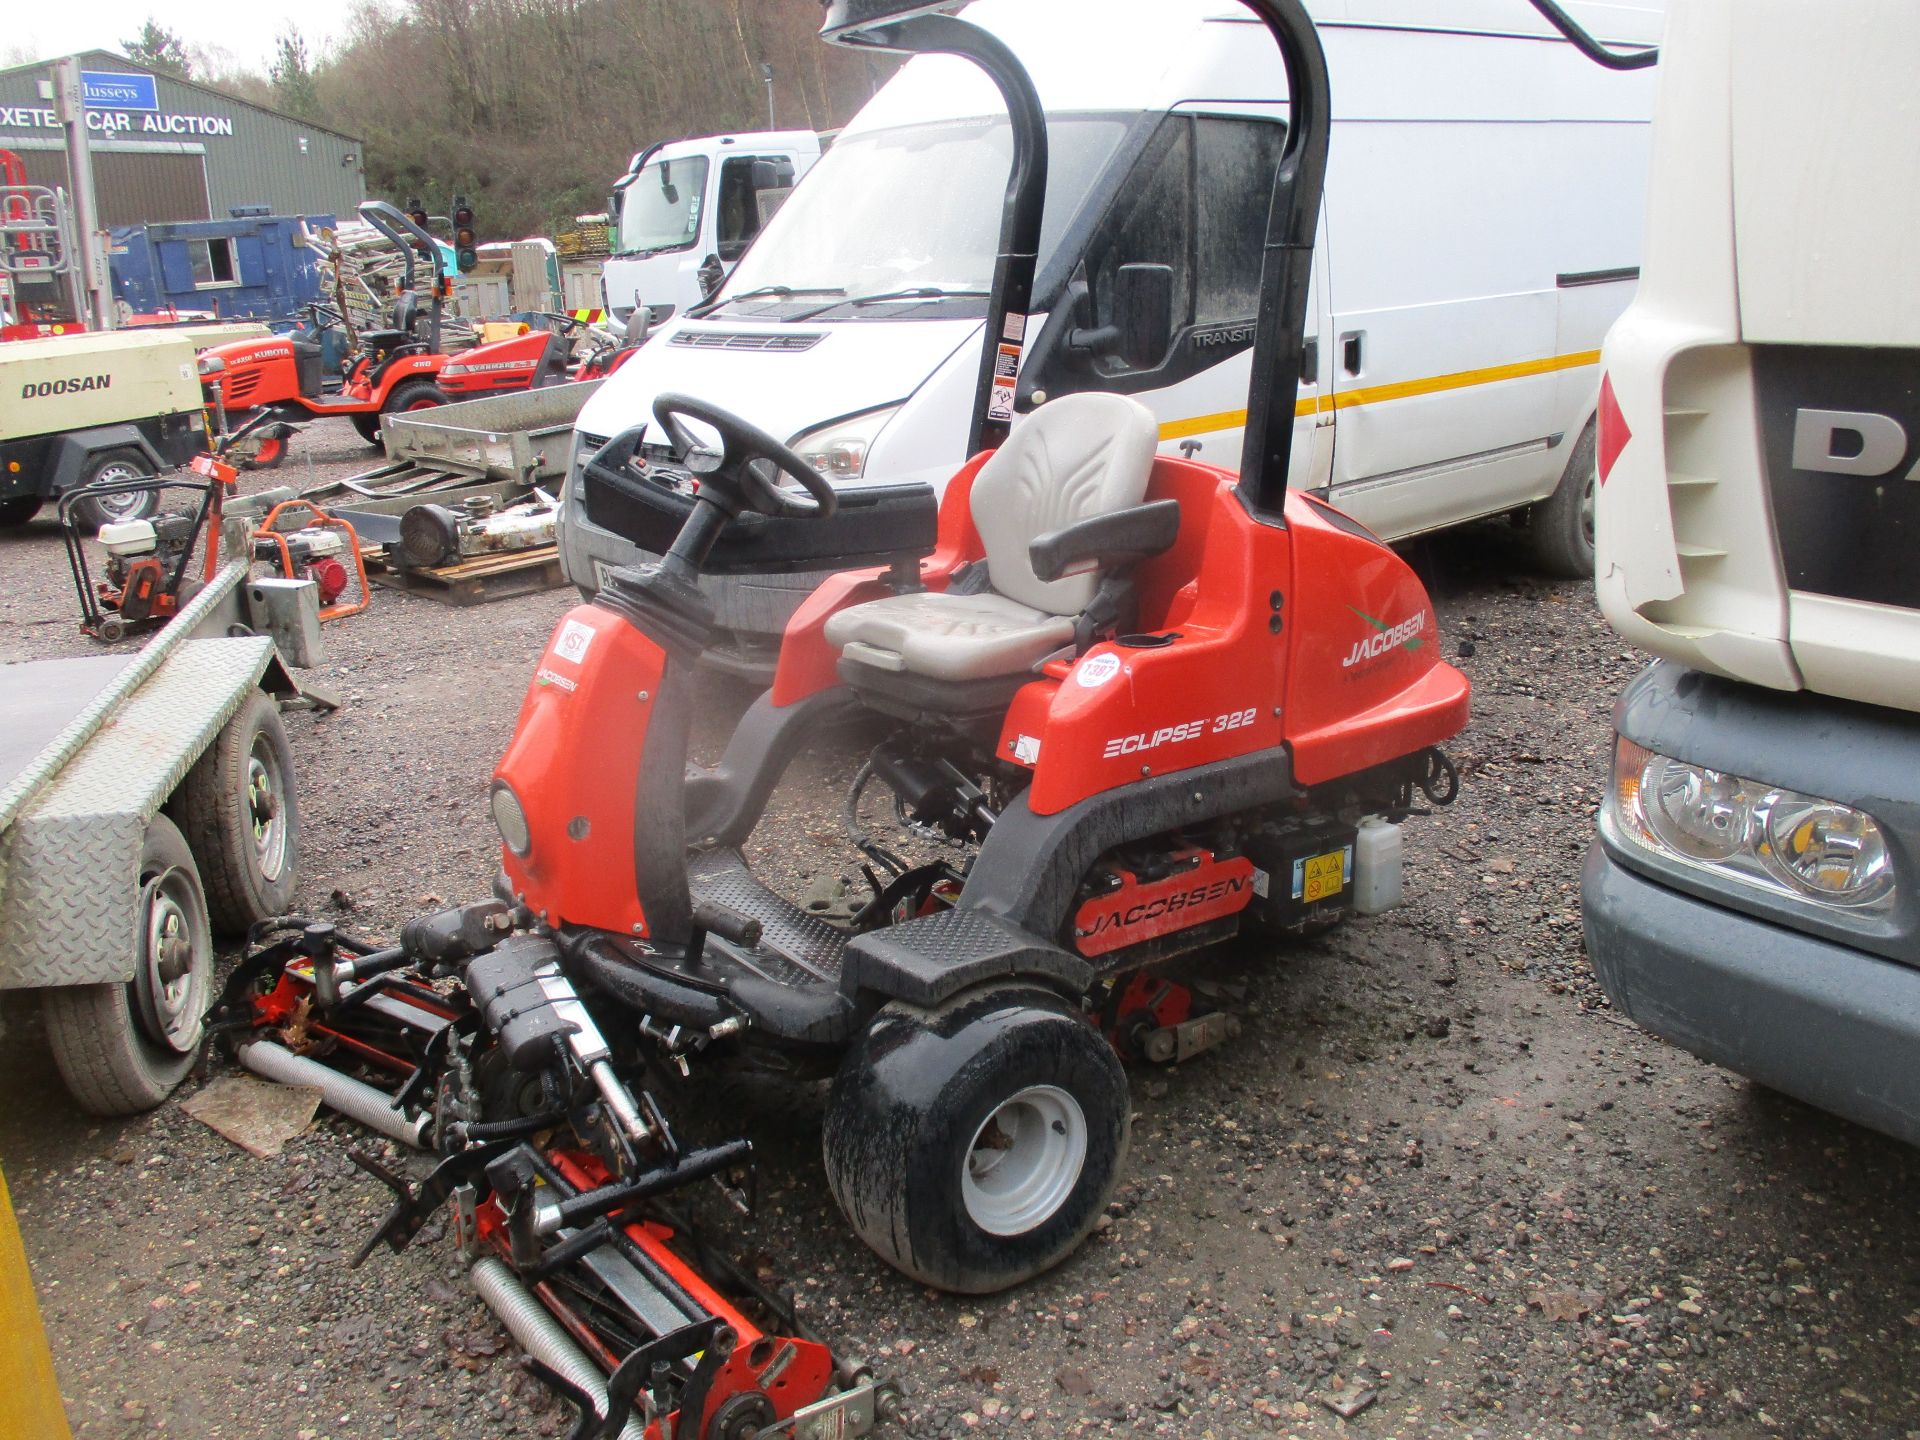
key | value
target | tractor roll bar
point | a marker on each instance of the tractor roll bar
(407, 237)
(1584, 42)
(1011, 296)
(1292, 219)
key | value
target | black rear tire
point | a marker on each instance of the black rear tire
(18, 511)
(1560, 530)
(241, 815)
(975, 1145)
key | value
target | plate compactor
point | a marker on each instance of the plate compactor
(1147, 705)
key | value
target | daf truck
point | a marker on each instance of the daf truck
(1754, 891)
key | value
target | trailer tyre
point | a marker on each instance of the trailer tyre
(1560, 530)
(101, 510)
(975, 1145)
(18, 511)
(242, 818)
(122, 1048)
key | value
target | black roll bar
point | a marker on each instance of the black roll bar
(1584, 42)
(1293, 216)
(1011, 296)
(407, 237)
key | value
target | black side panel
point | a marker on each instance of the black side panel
(724, 804)
(873, 525)
(659, 814)
(1031, 865)
(1847, 514)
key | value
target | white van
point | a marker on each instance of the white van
(1482, 229)
(685, 212)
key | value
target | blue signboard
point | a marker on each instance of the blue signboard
(110, 90)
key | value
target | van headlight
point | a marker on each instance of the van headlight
(510, 819)
(1799, 846)
(839, 451)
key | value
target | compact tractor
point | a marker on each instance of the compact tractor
(1147, 705)
(398, 368)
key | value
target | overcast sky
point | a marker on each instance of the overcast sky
(245, 29)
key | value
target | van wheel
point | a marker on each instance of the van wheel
(18, 511)
(1560, 529)
(122, 1048)
(115, 466)
(975, 1145)
(238, 808)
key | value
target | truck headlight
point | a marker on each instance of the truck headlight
(1779, 840)
(839, 451)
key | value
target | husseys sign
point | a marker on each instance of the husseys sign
(119, 103)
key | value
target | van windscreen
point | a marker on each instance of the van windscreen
(917, 208)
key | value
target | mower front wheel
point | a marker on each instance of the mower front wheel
(975, 1145)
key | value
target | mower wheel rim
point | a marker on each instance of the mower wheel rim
(119, 507)
(266, 810)
(1024, 1161)
(173, 968)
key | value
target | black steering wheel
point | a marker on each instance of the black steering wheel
(741, 485)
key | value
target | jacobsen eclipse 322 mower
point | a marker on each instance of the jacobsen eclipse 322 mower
(396, 369)
(1150, 703)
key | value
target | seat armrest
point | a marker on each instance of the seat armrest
(1107, 542)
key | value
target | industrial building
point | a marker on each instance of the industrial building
(166, 149)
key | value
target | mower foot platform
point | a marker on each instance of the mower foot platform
(928, 960)
(795, 948)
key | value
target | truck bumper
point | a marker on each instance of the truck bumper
(1821, 1021)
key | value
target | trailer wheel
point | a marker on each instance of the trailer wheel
(974, 1146)
(1560, 530)
(122, 1048)
(98, 510)
(242, 818)
(18, 511)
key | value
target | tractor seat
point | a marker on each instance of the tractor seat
(1075, 459)
(384, 340)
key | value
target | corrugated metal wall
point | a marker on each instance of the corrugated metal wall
(251, 156)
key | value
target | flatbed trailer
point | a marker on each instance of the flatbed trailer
(147, 803)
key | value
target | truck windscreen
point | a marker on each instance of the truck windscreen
(660, 210)
(917, 208)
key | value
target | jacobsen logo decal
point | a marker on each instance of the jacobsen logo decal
(1405, 636)
(40, 389)
(1137, 912)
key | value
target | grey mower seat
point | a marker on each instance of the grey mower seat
(1074, 458)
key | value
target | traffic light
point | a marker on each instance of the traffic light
(417, 212)
(466, 253)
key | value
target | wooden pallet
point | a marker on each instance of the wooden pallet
(483, 578)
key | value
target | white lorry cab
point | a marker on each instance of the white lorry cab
(1754, 891)
(686, 210)
(1482, 229)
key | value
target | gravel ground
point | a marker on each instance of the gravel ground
(1434, 1170)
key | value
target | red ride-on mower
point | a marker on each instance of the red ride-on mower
(1149, 705)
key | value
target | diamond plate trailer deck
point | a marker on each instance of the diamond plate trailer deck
(91, 750)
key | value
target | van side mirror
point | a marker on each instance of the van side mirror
(710, 274)
(1143, 313)
(1141, 330)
